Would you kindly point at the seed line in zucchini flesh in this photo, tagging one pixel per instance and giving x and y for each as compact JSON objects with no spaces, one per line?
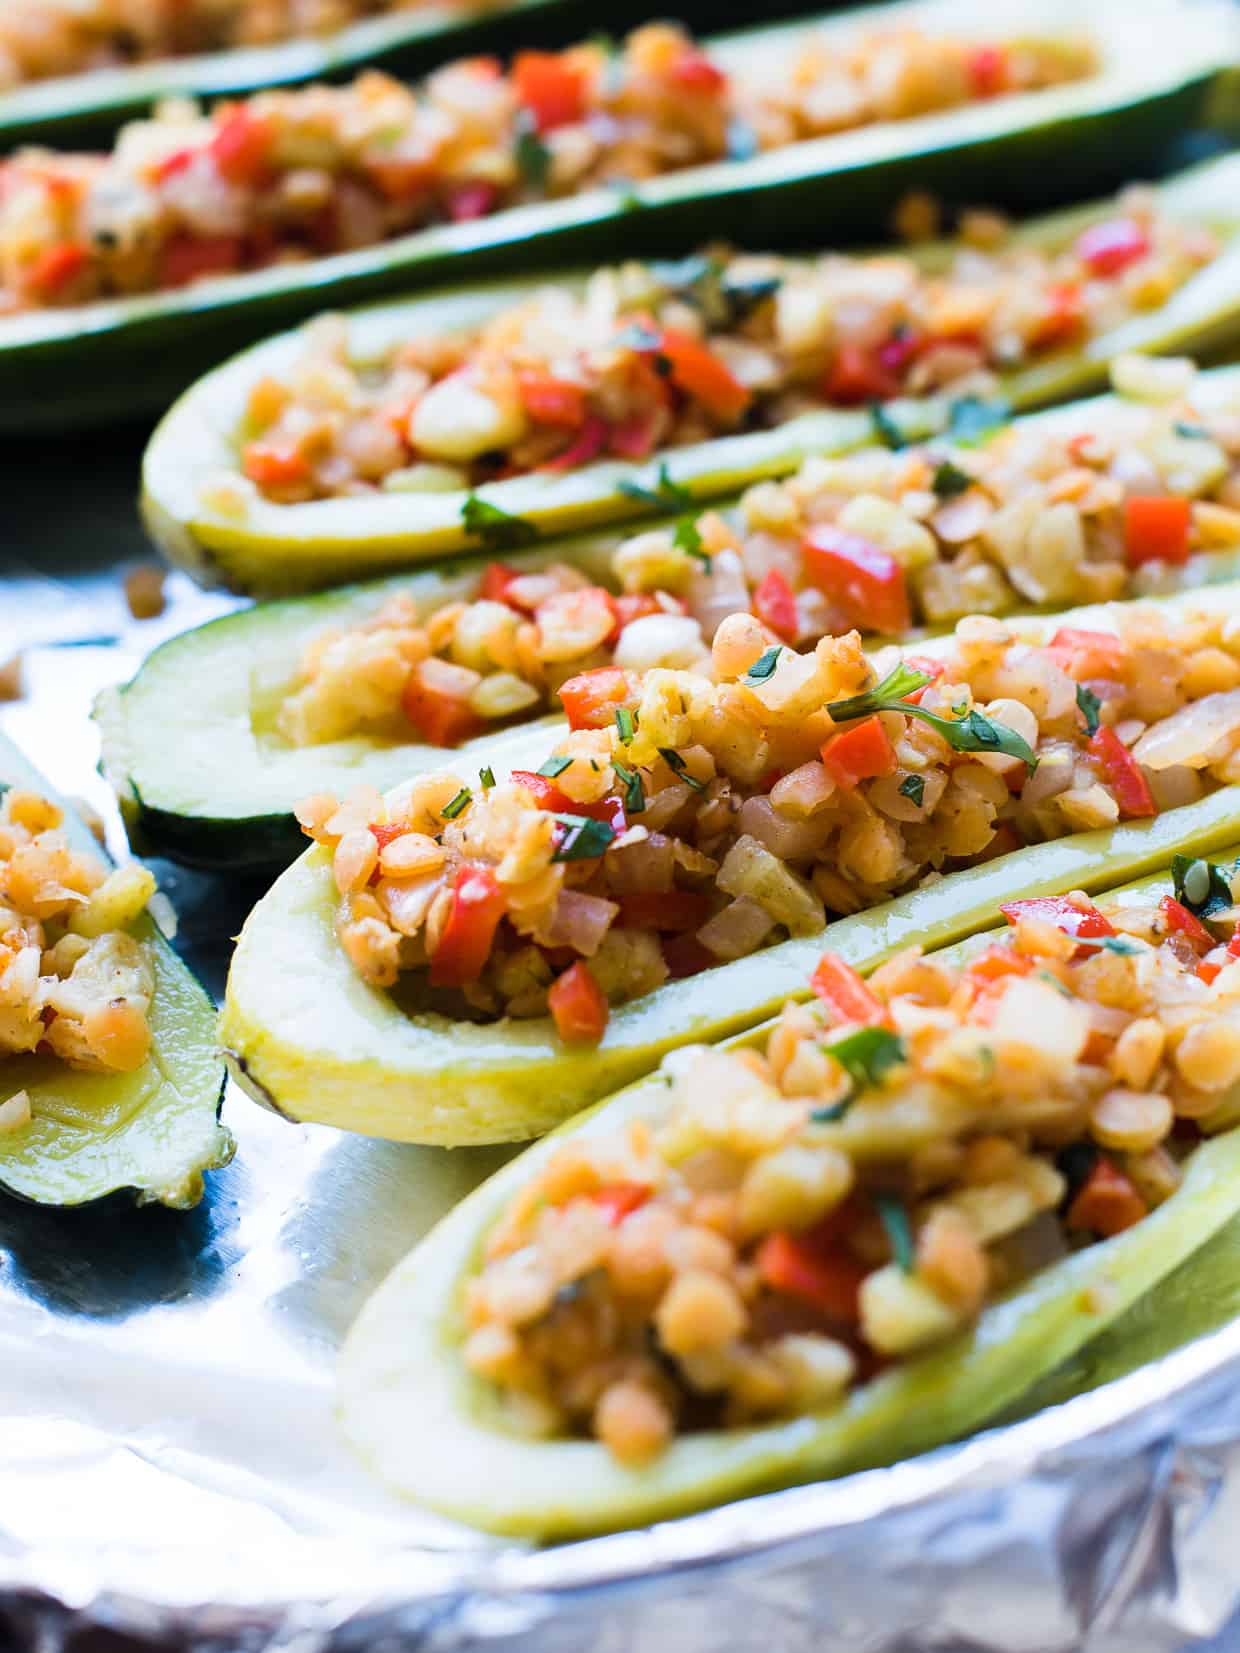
{"x":970,"y":732}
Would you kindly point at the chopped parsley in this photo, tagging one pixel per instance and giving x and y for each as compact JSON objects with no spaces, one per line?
{"x":498,"y":529}
{"x":555,"y":765}
{"x":531,"y":154}
{"x":486,"y":778}
{"x":626,"y":724}
{"x":972,"y":420}
{"x":899,"y":1230}
{"x":676,"y":764}
{"x":971,"y":733}
{"x":634,"y":793}
{"x":1090,"y":706}
{"x":1201,"y":886}
{"x":764,"y":666}
{"x":670,"y":494}
{"x":583,"y":838}
{"x":866,"y":1055}
{"x":913,"y":787}
{"x":456,"y":806}
{"x":949,"y":480}
{"x":885,"y":427}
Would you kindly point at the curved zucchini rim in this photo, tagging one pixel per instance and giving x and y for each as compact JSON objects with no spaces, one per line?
{"x":151,"y":1133}
{"x":429,"y":1428}
{"x":272,"y":548}
{"x":199,"y":780}
{"x":306,"y":1036}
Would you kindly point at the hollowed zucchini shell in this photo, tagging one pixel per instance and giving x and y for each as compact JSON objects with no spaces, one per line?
{"x":151,"y":1133}
{"x":1160,"y":68}
{"x":188,"y":744}
{"x":271,"y":548}
{"x":430,"y":1429}
{"x":306,"y":1036}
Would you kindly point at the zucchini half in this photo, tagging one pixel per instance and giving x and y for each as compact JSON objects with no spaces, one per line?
{"x":151,"y":1133}
{"x":305,"y":1035}
{"x":1161,"y":65}
{"x":269,"y":548}
{"x":189,"y":743}
{"x":429,"y":1427}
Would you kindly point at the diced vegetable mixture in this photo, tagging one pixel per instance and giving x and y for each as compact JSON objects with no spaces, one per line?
{"x":687,"y":819}
{"x":649,"y":357}
{"x":802,"y":1214}
{"x":302,"y":173}
{"x":881,"y":541}
{"x":74,"y":983}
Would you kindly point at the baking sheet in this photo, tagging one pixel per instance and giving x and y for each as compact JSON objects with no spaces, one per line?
{"x":168,"y":1462}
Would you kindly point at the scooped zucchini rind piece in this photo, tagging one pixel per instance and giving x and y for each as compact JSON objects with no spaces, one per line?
{"x":189,"y":744}
{"x":152,"y":1133}
{"x":269,"y":548}
{"x":431,"y":1429}
{"x":65,"y":367}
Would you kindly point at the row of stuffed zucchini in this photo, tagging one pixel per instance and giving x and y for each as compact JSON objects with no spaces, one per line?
{"x":886,"y":670}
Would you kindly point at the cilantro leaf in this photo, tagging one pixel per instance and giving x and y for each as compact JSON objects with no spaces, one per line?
{"x":899,"y":1230}
{"x":866,"y":1055}
{"x":970,"y":733}
{"x":498,"y":529}
{"x":949,"y":480}
{"x":669,"y":493}
{"x":913,"y":787}
{"x":532,"y":156}
{"x":1090,"y":706}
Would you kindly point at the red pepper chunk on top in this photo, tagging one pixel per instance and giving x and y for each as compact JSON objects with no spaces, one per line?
{"x":469,"y":934}
{"x":864,"y":583}
{"x":845,"y":994}
{"x":1074,"y":918}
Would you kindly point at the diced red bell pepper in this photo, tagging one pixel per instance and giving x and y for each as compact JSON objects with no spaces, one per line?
{"x":686,"y":956}
{"x":775,"y":604}
{"x":590,"y":699}
{"x":552,"y":401}
{"x":866,"y":585}
{"x":467,"y":938}
{"x":1156,"y":528}
{"x":188,"y":258}
{"x":859,"y":753}
{"x":467,"y":202}
{"x":845,"y":995}
{"x":55,"y":267}
{"x":672,"y":910}
{"x":617,"y":1199}
{"x":1181,"y":922}
{"x":552,"y":89}
{"x":1107,"y":1202}
{"x":179,"y":161}
{"x":496,"y":578}
{"x":1088,"y":654}
{"x":700,"y":374}
{"x":1111,"y":247}
{"x":578,"y":1006}
{"x":695,"y":71}
{"x":548,"y":796}
{"x":440,"y":719}
{"x":996,"y":965}
{"x":387,"y":832}
{"x":857,"y":375}
{"x":589,"y":444}
{"x":274,"y":464}
{"x":1121,"y":774}
{"x":988,"y":71}
{"x":1063,"y":316}
{"x":241,"y":147}
{"x":823,"y":1275}
{"x":636,"y":605}
{"x":1072,"y":917}
{"x":1208,"y":971}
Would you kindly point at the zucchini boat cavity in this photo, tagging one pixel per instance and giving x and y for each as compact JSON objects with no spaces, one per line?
{"x":110,"y":1079}
{"x":760,"y":166}
{"x":856,"y":1234}
{"x":226,"y":727}
{"x":520,"y":410}
{"x":473,"y":961}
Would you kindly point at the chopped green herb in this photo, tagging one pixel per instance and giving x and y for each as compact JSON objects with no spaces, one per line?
{"x":1201,"y":886}
{"x":764,"y":666}
{"x":676,"y":764}
{"x":1118,"y":944}
{"x":688,"y":539}
{"x":455,"y":806}
{"x":973,"y":420}
{"x":868,"y":1054}
{"x":628,"y":200}
{"x":950,"y":480}
{"x":669,"y":493}
{"x":584,"y":838}
{"x":486,"y":778}
{"x":885,"y":427}
{"x":971,"y":733}
{"x":914,"y":788}
{"x":626,"y":724}
{"x":742,"y":140}
{"x":498,"y":530}
{"x":634,"y":793}
{"x":555,"y":765}
{"x":1193,"y":433}
{"x":899,"y":1230}
{"x":1090,"y":706}
{"x":532,"y":156}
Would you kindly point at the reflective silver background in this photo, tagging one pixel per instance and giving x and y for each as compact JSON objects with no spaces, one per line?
{"x":168,"y":1463}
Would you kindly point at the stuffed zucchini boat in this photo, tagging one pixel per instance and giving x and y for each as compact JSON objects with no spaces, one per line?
{"x":758,"y":136}
{"x":855,"y":1234}
{"x":494,"y":417}
{"x":224,"y":728}
{"x":474,"y":960}
{"x":110,"y":1079}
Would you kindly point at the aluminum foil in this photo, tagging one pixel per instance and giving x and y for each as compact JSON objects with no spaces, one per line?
{"x":169,"y":1466}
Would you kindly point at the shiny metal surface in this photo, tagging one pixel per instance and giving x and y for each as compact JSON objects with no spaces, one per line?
{"x":168,"y":1462}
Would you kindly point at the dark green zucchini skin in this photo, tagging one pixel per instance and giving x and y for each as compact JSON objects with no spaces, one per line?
{"x":259,"y":843}
{"x":156,"y":346}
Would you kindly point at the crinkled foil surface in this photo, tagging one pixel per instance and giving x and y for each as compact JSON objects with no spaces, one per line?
{"x":169,"y":1468}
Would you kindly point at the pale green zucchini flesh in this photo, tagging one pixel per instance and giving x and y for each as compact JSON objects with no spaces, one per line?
{"x":265,"y":547}
{"x":152,"y":1133}
{"x":430,"y":1429}
{"x":190,"y":744}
